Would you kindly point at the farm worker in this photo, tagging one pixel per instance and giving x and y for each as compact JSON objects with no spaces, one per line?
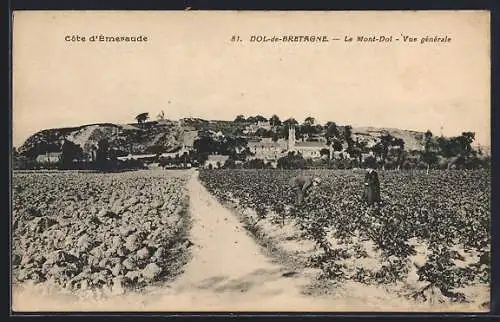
{"x":371,"y":191}
{"x":302,"y":184}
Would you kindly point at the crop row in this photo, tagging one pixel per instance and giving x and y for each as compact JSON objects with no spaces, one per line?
{"x":444,"y":210}
{"x":89,"y":230}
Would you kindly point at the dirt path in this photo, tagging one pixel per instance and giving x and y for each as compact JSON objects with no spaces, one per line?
{"x":228,"y":272}
{"x":228,"y":269}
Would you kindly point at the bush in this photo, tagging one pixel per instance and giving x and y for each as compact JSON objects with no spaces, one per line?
{"x":255,"y":164}
{"x":292,"y":161}
{"x":229,"y":164}
{"x":130,"y":165}
{"x":474,"y":163}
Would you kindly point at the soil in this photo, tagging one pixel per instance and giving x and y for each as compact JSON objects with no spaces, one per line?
{"x":228,"y":271}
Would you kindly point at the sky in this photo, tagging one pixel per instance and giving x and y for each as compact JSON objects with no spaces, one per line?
{"x":190,"y":68}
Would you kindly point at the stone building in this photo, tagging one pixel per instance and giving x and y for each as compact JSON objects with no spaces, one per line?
{"x":267,"y":149}
{"x":215,"y":161}
{"x":270,"y":150}
{"x":308,"y":149}
{"x":49,"y":157}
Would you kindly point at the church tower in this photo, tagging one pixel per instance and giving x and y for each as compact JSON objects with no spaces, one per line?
{"x":291,"y":137}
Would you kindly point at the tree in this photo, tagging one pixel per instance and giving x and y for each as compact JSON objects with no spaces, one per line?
{"x":324,"y":152}
{"x":331,"y":131}
{"x":427,"y":140}
{"x":299,"y":132}
{"x":308,"y":126}
{"x":102,"y":154}
{"x":386,"y":140}
{"x":243,"y":155}
{"x":70,"y":151}
{"x":229,"y":164}
{"x":318,"y":129}
{"x":348,"y":135}
{"x":378,"y":149}
{"x":309,"y":121}
{"x":430,"y":158}
{"x":156,"y":149}
{"x":232,"y":145}
{"x":370,"y":162}
{"x":292,"y":161}
{"x":255,"y":164}
{"x":251,"y":119}
{"x":355,"y":152}
{"x":240,"y":119}
{"x":141,"y":118}
{"x":275,"y":120}
{"x":447,"y":147}
{"x":362,"y":145}
{"x":205,"y":144}
{"x":400,"y":143}
{"x":337,"y":145}
{"x":465,"y":141}
{"x":263,"y":133}
{"x":260,"y":118}
{"x":289,"y":122}
{"x":456,"y":146}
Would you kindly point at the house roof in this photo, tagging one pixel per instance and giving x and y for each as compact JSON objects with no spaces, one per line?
{"x":170,"y":154}
{"x":136,"y":156}
{"x":311,"y":144}
{"x":50,"y":154}
{"x":267,"y":144}
{"x":216,"y":158}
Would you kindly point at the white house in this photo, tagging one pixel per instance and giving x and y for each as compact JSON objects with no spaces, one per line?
{"x":49,"y":157}
{"x":136,"y":157}
{"x":175,"y":154}
{"x":215,"y":161}
{"x":252,"y":128}
{"x":365,"y":156}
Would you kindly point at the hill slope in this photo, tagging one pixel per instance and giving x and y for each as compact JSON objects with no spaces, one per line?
{"x":371,"y":135}
{"x":154,"y":137}
{"x":126,"y":138}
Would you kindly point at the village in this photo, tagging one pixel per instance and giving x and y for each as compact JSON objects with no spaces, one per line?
{"x":253,"y":142}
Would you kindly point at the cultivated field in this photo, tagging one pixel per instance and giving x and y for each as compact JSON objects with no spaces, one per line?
{"x":428,"y":242}
{"x":91,"y":231}
{"x":180,"y":239}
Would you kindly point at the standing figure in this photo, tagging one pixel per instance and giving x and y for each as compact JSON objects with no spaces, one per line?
{"x":301,"y":186}
{"x":371,"y":191}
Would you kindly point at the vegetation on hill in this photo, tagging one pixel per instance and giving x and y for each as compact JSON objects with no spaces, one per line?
{"x":390,"y":148}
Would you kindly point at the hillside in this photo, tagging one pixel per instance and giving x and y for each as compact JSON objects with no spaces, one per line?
{"x":165,"y":136}
{"x":371,"y":135}
{"x":123,"y":138}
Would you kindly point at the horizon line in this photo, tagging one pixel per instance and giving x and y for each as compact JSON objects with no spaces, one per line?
{"x":322,"y":123}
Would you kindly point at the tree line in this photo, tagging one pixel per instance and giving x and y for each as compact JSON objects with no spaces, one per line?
{"x":388,"y":153}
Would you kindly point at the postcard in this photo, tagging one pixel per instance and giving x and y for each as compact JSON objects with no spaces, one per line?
{"x":230,"y":161}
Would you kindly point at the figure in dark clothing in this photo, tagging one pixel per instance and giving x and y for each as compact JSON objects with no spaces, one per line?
{"x":371,"y":191}
{"x":301,"y":186}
